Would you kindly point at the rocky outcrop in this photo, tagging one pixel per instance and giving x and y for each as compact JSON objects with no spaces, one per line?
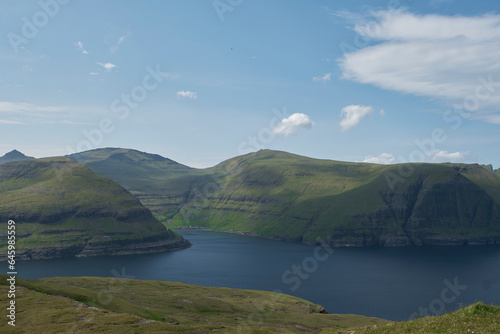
{"x":160,"y":242}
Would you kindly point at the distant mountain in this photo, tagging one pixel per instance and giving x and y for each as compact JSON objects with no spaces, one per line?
{"x":14,"y":155}
{"x":286,"y":196}
{"x":160,"y":183}
{"x":61,"y":208}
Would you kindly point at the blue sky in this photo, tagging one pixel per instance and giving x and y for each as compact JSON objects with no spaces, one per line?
{"x":203,"y":81}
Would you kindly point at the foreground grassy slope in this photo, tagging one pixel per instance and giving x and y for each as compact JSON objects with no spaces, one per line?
{"x":477,"y":318}
{"x":286,"y":196}
{"x":61,"y":208}
{"x":109,"y":305}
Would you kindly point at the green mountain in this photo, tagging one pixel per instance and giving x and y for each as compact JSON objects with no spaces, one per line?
{"x":118,"y":305}
{"x":14,"y":155}
{"x":286,"y":196}
{"x":61,"y":208}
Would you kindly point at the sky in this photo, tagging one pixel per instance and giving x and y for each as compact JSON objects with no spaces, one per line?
{"x":200,"y":82}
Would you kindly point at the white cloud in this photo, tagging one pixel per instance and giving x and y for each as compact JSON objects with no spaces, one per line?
{"x":434,"y":56}
{"x":384,"y":158}
{"x":352,"y":115}
{"x":382,"y":112}
{"x":107,"y":66}
{"x":79,"y":46}
{"x":325,"y":78}
{"x":94,"y":73}
{"x":445,"y":156}
{"x":187,"y":94}
{"x":291,"y":124}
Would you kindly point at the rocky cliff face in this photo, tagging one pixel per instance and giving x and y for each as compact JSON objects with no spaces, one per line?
{"x":451,"y":211}
{"x":104,"y":245}
{"x":437,"y":205}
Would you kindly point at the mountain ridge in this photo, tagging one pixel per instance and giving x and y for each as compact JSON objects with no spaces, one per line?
{"x":280,"y":195}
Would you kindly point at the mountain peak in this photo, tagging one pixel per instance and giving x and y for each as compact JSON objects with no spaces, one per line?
{"x":14,"y":155}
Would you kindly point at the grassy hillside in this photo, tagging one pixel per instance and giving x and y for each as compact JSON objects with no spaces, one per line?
{"x":109,"y":305}
{"x":477,"y":318}
{"x":61,"y":208}
{"x":286,"y":196}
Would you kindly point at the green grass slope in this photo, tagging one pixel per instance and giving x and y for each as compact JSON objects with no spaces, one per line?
{"x":110,"y":305}
{"x":476,"y":318}
{"x":286,"y":196}
{"x":61,"y":208}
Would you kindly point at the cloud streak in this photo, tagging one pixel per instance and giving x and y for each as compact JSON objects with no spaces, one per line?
{"x":122,"y":38}
{"x":107,"y":66}
{"x":325,"y":78}
{"x":187,"y":94}
{"x":20,"y":107}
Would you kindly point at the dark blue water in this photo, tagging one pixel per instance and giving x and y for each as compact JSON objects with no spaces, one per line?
{"x":390,"y":283}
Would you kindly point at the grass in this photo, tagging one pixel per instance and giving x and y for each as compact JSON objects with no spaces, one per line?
{"x":110,"y":305}
{"x":477,"y":318}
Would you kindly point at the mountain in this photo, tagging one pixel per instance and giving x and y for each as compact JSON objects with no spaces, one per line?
{"x":159,"y":183}
{"x":14,"y":155}
{"x":289,"y":197}
{"x":61,"y":208}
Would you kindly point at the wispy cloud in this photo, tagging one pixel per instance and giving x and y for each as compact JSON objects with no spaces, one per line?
{"x":122,"y":38}
{"x":19,"y":113}
{"x":107,"y":66}
{"x":352,"y":115}
{"x":434,"y":56}
{"x":324,"y":78}
{"x":79,"y":46}
{"x":187,"y":94}
{"x":3,"y":121}
{"x":19,"y":107}
{"x":384,"y":158}
{"x":291,"y":124}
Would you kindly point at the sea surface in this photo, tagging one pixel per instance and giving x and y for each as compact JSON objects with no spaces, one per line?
{"x":389,"y":283}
